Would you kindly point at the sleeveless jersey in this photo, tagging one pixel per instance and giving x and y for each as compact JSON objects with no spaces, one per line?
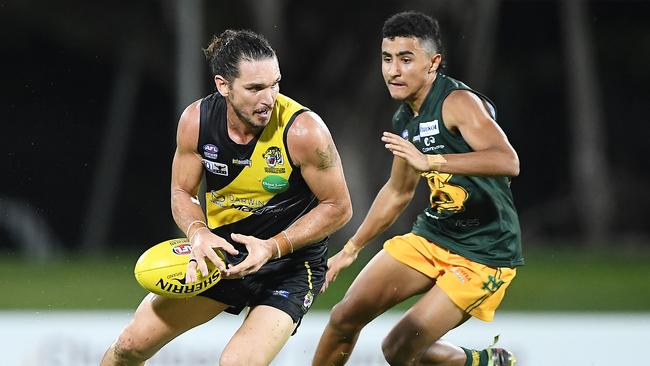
{"x":469,"y":215}
{"x":253,"y":189}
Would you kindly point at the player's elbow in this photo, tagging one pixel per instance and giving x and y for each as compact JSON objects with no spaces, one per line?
{"x":176,"y":195}
{"x":506,"y":163}
{"x":343,"y":212}
{"x":347,"y":212}
{"x":513,"y":166}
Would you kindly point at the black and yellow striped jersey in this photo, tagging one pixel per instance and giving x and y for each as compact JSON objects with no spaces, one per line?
{"x":252,"y":189}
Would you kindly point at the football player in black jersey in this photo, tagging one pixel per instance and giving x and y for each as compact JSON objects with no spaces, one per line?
{"x":275,"y":192}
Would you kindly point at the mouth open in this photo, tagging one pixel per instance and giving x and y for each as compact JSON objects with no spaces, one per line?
{"x":396,"y":84}
{"x":263,"y":112}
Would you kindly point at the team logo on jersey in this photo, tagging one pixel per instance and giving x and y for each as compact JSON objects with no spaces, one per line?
{"x":309,"y":299}
{"x":405,"y":134}
{"x":273,"y":157}
{"x":492,"y":284}
{"x":429,"y":128}
{"x":446,"y":198}
{"x":210,"y":151}
{"x":215,"y":168}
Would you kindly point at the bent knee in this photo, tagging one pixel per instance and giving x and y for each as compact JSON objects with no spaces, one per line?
{"x":347,"y":317}
{"x":390,"y":351}
{"x":395,"y":351}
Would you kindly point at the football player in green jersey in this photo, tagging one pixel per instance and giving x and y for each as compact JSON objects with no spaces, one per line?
{"x":464,"y":248}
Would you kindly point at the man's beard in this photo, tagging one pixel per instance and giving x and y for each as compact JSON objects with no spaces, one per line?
{"x":247,"y":120}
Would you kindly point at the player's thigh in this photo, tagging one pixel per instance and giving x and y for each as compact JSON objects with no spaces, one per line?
{"x":260,"y":337}
{"x":430,"y":318}
{"x":159,"y":319}
{"x":382,"y":283}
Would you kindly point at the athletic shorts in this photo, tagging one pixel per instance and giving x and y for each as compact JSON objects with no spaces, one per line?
{"x":476,"y":288}
{"x":290,"y":284}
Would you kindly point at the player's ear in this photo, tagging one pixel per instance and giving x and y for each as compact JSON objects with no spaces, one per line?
{"x":435,"y":62}
{"x":223,"y":87}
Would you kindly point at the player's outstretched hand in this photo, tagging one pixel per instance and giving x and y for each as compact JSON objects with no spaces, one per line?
{"x":340,"y":261}
{"x":204,"y":245}
{"x":259,"y":252}
{"x":406,"y":150}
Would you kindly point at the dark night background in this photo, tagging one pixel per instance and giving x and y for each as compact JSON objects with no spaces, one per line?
{"x":64,"y":64}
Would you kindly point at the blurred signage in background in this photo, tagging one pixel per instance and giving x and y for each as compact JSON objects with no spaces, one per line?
{"x":80,"y":338}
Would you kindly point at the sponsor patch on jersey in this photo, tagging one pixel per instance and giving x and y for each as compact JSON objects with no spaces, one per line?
{"x":283,"y":293}
{"x":210,"y":151}
{"x":405,"y":134}
{"x":275,"y":184}
{"x":244,"y":204}
{"x":244,"y":162}
{"x":427,"y":149}
{"x":272,"y":209}
{"x":218,"y":199}
{"x":215,"y":168}
{"x":461,"y":274}
{"x":429,"y":128}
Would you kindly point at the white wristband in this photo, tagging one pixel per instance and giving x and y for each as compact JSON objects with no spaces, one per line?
{"x":187,"y":232}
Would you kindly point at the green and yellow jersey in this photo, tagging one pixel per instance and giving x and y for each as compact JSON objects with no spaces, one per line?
{"x":469,"y":215}
{"x":253,"y":189}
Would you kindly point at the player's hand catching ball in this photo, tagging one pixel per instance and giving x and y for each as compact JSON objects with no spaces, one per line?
{"x":204,"y":242}
{"x":259,"y":252}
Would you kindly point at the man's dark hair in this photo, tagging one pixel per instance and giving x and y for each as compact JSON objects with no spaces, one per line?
{"x":413,"y":24}
{"x":226,"y":50}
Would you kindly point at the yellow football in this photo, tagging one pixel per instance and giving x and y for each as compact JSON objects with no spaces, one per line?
{"x":161,"y":270}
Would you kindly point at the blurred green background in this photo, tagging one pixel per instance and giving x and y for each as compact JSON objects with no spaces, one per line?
{"x":553,"y":280}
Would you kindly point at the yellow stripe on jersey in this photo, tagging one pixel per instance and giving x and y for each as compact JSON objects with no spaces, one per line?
{"x":308,"y":275}
{"x":267,"y":175}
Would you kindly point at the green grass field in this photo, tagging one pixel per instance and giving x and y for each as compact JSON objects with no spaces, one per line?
{"x":552,"y":280}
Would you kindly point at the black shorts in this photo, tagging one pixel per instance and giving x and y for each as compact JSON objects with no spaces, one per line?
{"x":290,"y":284}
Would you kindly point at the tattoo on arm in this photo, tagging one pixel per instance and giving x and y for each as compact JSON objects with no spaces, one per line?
{"x":326,"y":159}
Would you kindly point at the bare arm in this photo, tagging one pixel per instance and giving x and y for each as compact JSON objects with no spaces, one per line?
{"x":312,"y":148}
{"x":389,"y":203}
{"x":186,"y":210}
{"x":464,"y":112}
{"x":186,"y":171}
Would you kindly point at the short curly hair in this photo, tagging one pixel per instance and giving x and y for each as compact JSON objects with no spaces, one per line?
{"x":414,"y":24}
{"x":226,"y":50}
